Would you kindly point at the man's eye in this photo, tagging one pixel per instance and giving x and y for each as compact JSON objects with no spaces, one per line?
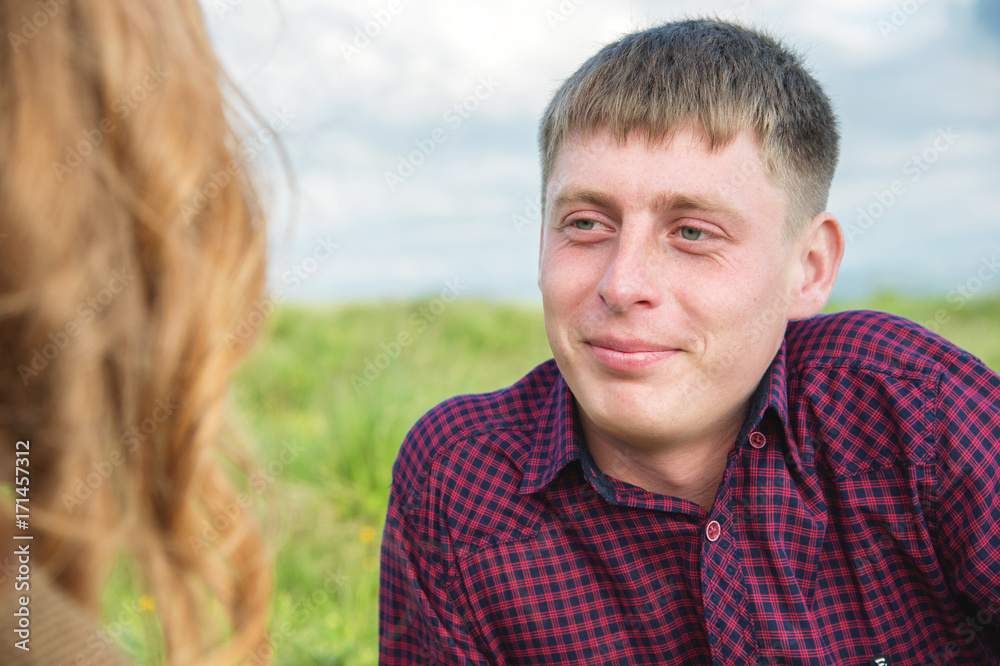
{"x":691,"y":233}
{"x":584,"y":225}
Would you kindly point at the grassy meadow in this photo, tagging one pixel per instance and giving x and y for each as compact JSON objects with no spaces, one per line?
{"x":326,"y":435}
{"x":328,"y":380}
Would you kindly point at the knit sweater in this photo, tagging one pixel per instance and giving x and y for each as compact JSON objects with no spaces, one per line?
{"x":62,"y":633}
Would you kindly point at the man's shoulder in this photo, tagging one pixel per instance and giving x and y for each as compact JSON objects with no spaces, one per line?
{"x":866,"y":338}
{"x":885,"y":391}
{"x":457,"y":427}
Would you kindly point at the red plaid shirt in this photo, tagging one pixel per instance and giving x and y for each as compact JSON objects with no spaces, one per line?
{"x":858,"y":519}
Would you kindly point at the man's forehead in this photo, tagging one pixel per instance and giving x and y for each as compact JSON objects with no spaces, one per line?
{"x":595,"y":141}
{"x":740,"y":191}
{"x":590,"y":151}
{"x":595,"y":152}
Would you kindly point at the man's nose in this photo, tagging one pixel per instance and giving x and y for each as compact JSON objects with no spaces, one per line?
{"x":629,"y":279}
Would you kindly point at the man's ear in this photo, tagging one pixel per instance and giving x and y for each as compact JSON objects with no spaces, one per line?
{"x":819,"y":250}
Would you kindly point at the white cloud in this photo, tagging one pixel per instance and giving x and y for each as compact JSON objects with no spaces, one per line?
{"x":359,"y":112}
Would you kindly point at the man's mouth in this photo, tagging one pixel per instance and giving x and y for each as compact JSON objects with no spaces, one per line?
{"x":628,"y":354}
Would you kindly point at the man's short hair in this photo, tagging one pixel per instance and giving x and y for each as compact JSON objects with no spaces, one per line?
{"x":721,"y":77}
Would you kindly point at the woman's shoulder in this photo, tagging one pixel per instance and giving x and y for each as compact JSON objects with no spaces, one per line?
{"x":43,"y":625}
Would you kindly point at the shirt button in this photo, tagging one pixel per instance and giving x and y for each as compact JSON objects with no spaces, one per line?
{"x":713,"y":530}
{"x":757,"y":440}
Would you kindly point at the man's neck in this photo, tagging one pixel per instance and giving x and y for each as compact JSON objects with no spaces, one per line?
{"x":692,"y":470}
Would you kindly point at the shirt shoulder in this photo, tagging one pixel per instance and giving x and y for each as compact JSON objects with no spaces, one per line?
{"x":456,"y":428}
{"x":877,"y":341}
{"x":874,"y":389}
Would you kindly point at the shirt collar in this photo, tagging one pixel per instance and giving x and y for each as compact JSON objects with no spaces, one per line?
{"x":559,"y":439}
{"x":771,"y":393}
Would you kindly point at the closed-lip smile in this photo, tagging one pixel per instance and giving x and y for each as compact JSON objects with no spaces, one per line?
{"x":628,"y":354}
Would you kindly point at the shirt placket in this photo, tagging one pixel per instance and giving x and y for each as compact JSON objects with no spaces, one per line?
{"x":724,"y":596}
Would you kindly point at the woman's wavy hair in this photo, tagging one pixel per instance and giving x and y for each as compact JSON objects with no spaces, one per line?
{"x":132,"y":246}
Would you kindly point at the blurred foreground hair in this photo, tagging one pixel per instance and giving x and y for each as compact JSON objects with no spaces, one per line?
{"x":131,"y":245}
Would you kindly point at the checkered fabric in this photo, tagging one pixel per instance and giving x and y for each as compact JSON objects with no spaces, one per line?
{"x":858,"y":520}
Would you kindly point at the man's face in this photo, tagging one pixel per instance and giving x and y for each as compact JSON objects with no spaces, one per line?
{"x":665,"y":282}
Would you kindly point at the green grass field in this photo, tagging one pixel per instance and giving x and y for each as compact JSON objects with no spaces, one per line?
{"x":327,"y":434}
{"x":327,"y":379}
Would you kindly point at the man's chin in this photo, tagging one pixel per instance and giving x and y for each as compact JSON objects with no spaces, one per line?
{"x":633,"y":398}
{"x":637,"y":424}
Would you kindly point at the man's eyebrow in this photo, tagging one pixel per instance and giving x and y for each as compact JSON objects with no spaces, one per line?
{"x":663,"y":202}
{"x":586,"y":196}
{"x":682,"y":201}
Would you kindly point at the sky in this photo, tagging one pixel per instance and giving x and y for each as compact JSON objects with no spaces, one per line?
{"x":410,"y":132}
